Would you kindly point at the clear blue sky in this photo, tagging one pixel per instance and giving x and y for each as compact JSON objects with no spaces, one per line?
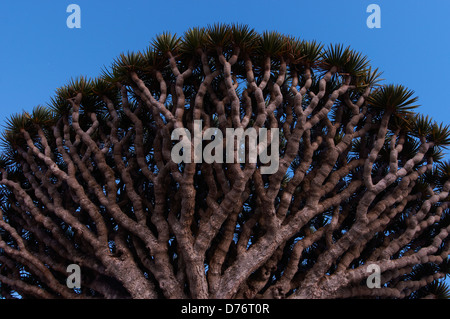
{"x":39,"y":53}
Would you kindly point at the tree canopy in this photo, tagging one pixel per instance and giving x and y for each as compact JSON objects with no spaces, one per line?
{"x":362,"y":178}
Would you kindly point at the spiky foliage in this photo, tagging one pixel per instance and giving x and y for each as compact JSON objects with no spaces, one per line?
{"x":345,"y":60}
{"x":90,"y":180}
{"x":394,"y":98}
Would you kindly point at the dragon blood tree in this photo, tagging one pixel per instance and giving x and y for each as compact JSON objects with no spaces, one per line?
{"x":361,"y":183}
